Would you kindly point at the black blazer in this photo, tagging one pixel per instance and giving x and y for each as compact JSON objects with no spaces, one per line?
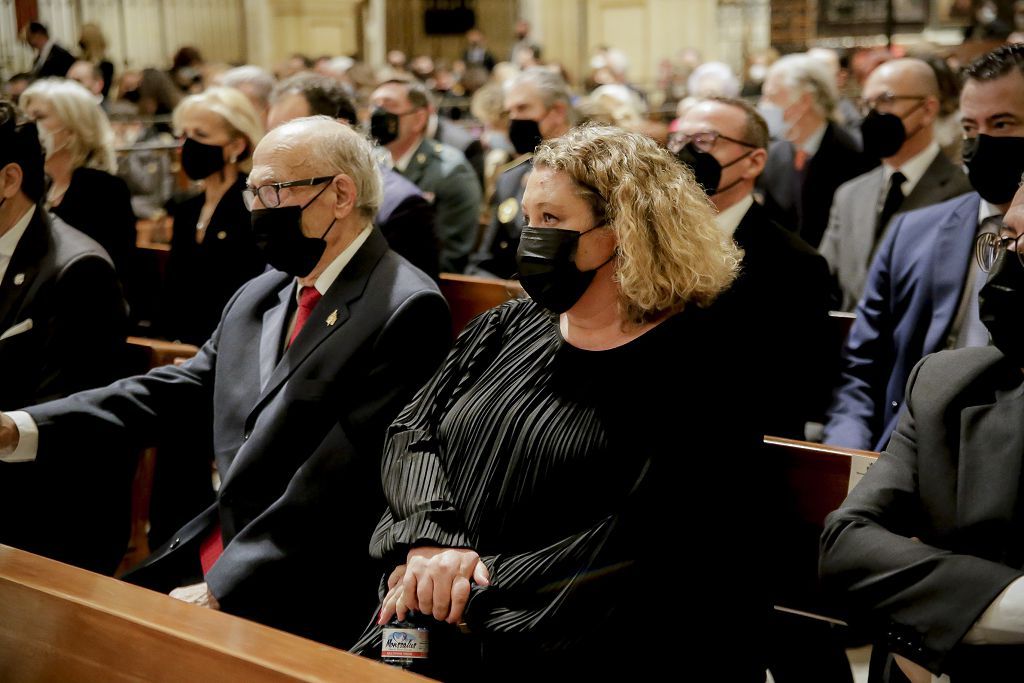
{"x":780,"y":304}
{"x":935,"y":529}
{"x":297,"y":437}
{"x":57,"y":63}
{"x":202,"y":276}
{"x":496,"y":253}
{"x":801,"y":201}
{"x":407,"y":220}
{"x":63,"y":282}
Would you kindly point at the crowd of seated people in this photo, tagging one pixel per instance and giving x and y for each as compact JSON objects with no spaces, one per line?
{"x":689,"y":238}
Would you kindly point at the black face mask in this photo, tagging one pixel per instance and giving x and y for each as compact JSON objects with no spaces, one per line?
{"x":200,"y":160}
{"x":994,"y":166}
{"x":383,"y":126}
{"x":707,"y":171}
{"x":524,"y":134}
{"x":132,"y":95}
{"x":1001,"y":306}
{"x":883,"y":134}
{"x":278,"y":234}
{"x":547,"y":267}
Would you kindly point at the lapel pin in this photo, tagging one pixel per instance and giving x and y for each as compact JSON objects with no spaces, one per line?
{"x":332,"y":318}
{"x":19,"y":278}
{"x":421,"y":158}
{"x":221,"y":235}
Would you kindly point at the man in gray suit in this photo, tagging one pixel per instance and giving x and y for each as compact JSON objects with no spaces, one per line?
{"x":399,"y":122}
{"x":903,"y":97}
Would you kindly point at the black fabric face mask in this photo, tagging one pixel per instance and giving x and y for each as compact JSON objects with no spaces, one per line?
{"x":547,"y":267}
{"x":278,"y":235}
{"x":883,"y":134}
{"x":383,"y":126}
{"x":994,"y":166}
{"x":1001,"y":306}
{"x":200,"y":160}
{"x":707,"y":170}
{"x":524,"y":134}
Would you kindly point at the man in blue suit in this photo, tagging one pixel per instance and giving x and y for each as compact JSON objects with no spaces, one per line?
{"x":297,"y":385}
{"x":921,"y":292}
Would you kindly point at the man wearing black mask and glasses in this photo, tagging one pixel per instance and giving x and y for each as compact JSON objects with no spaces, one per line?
{"x":921,"y":293}
{"x":538,"y":105}
{"x":927,"y":550}
{"x":783,"y":288}
{"x":298,"y":383}
{"x":900,"y":105}
{"x":62,"y":326}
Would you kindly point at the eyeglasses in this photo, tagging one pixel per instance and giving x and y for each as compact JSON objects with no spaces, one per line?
{"x":989,"y":246}
{"x":884,"y":102}
{"x":704,"y":141}
{"x":270,"y":195}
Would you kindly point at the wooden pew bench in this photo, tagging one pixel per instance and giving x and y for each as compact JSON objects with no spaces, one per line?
{"x":469,"y":296}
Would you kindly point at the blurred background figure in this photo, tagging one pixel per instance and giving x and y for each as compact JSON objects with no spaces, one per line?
{"x":93,"y":47}
{"x":52,"y":59}
{"x":253,"y":82}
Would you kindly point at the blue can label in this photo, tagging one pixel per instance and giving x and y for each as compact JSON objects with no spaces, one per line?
{"x":410,"y":643}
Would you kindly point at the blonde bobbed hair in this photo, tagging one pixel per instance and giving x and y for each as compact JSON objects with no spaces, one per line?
{"x":670,"y":250}
{"x":233,"y":108}
{"x":91,"y":143}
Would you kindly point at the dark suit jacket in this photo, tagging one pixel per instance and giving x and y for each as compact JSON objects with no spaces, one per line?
{"x":65,"y":284}
{"x":496,"y":254}
{"x":849,"y":242}
{"x":57,"y":63}
{"x":801,"y":201}
{"x":461,"y":139}
{"x":297,"y":438}
{"x":911,"y":297}
{"x":201,"y":277}
{"x":407,"y":220}
{"x":780,"y":304}
{"x":950,"y":477}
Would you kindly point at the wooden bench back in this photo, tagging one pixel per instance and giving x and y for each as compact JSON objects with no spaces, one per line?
{"x":469,"y":296}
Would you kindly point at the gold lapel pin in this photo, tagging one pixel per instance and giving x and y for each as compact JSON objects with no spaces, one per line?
{"x":332,"y":318}
{"x":19,"y":278}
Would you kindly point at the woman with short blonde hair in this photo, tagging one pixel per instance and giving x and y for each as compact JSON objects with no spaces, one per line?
{"x":238,"y":116}
{"x":61,"y":105}
{"x":557,"y":473}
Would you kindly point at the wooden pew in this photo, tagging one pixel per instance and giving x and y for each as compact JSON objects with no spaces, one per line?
{"x":145,"y":355}
{"x":469,"y":296}
{"x":61,"y":623}
{"x":807,"y":481}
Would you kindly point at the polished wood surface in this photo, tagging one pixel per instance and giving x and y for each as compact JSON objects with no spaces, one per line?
{"x":469,"y":296}
{"x":60,"y":623}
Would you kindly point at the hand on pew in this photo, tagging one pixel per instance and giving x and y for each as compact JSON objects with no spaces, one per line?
{"x":436,"y":581}
{"x":196,"y":594}
{"x":8,"y":435}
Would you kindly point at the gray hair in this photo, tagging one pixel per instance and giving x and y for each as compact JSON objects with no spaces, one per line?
{"x":801,"y":73}
{"x":330,"y":147}
{"x":550,"y":86}
{"x":258,"y":80}
{"x":713,"y":79}
{"x":92,"y":139}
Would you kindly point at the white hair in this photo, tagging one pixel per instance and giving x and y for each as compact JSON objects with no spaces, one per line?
{"x":338,"y":66}
{"x":801,"y":73}
{"x":713,"y":79}
{"x":91,"y":143}
{"x":258,"y":81}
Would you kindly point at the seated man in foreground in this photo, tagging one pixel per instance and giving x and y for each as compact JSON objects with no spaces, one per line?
{"x":928,"y":547}
{"x":308,"y":366}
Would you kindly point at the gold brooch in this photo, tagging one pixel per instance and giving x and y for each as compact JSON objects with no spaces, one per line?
{"x":332,"y":318}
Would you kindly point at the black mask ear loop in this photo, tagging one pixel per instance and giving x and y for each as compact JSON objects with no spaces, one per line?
{"x":738,"y":180}
{"x":912,"y":110}
{"x":615,"y":251}
{"x":315,"y":197}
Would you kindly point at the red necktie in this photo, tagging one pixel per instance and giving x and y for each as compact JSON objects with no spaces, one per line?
{"x":800,"y":160}
{"x":213,"y":545}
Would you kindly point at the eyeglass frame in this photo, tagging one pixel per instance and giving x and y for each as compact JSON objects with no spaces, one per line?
{"x":676,"y":136}
{"x":866,"y":105}
{"x":1000,"y":243}
{"x":249,"y":194}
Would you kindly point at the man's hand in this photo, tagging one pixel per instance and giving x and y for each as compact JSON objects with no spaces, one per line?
{"x":915,"y":672}
{"x":196,"y":594}
{"x":9,"y":436}
{"x":434,"y":581}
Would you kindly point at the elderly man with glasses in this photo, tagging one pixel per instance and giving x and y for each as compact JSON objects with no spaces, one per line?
{"x":900,"y":106}
{"x":928,"y":549}
{"x":296,"y":387}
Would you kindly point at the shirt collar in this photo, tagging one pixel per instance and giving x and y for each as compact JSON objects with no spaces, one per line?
{"x":730,"y":219}
{"x":332,"y":271}
{"x":402,"y":162}
{"x":44,"y":52}
{"x":913,"y":169}
{"x":10,"y":239}
{"x":432,"y":126}
{"x":813,"y":142}
{"x":986,"y":210}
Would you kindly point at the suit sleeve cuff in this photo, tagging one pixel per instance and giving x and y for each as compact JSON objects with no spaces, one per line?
{"x":28,"y":438}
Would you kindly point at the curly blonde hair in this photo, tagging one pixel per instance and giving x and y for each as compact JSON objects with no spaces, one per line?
{"x":670,"y":251}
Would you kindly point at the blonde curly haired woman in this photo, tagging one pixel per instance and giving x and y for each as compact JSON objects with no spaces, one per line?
{"x":551,"y":485}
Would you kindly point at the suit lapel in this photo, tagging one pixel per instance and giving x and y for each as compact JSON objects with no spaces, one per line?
{"x":950,"y":260}
{"x":417,"y":164}
{"x":23,"y":268}
{"x":931,"y":188}
{"x":272,"y":333}
{"x":866,"y":209}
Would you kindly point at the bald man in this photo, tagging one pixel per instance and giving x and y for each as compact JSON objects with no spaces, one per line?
{"x":309,"y":365}
{"x":901,"y":103}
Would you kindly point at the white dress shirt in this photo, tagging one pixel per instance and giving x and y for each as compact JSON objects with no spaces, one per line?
{"x":731,"y":218}
{"x":913,"y":169}
{"x":402,"y":162}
